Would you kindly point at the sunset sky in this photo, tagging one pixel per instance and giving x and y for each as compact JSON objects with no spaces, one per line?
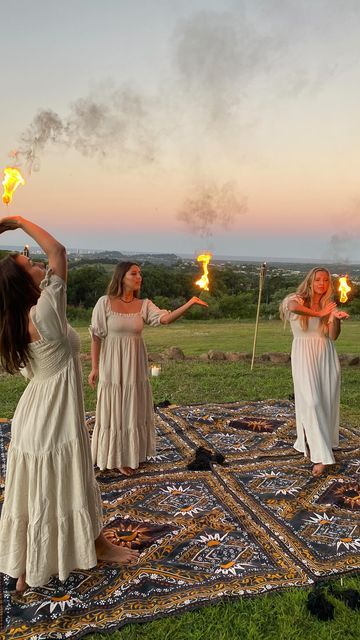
{"x":186,"y":125}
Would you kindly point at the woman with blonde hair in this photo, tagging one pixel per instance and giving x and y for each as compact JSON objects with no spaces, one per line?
{"x":315,"y":324}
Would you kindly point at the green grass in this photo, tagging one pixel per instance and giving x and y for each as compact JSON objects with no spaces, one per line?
{"x":196,"y":337}
{"x":274,"y":616}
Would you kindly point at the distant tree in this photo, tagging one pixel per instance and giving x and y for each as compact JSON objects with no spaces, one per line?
{"x":86,"y":285}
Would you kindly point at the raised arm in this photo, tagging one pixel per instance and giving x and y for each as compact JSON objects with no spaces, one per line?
{"x":54,"y":250}
{"x":167,"y":318}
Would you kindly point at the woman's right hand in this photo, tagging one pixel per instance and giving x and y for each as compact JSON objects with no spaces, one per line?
{"x":327,"y":310}
{"x":195,"y":300}
{"x":9,"y":223}
{"x":93,"y":376}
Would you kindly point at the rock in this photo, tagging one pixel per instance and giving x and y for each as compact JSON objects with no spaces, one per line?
{"x":154,"y":357}
{"x":349,"y":359}
{"x":245,"y":355}
{"x":173,"y":353}
{"x":216,"y":355}
{"x":279,"y":358}
{"x":263,"y":357}
{"x":233,"y":356}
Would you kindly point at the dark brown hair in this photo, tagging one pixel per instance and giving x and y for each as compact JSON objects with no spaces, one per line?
{"x":18,"y":293}
{"x":115,"y":287}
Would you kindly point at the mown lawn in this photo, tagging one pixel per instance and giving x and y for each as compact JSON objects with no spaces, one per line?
{"x":196,"y":337}
{"x":275,"y":616}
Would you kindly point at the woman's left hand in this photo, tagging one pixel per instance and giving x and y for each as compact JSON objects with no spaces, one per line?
{"x":340,"y":315}
{"x":195,"y":300}
{"x":10,"y":223}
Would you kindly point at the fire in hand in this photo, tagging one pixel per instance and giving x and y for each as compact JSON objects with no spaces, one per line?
{"x":12,"y":179}
{"x":203,"y":282}
{"x":344,"y":289}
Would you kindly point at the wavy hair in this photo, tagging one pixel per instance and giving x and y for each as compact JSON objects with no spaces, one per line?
{"x":18,"y":293}
{"x":305,"y":291}
{"x":115,"y":288}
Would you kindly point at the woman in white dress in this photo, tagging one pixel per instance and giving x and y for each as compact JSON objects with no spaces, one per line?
{"x":315,"y":323}
{"x":51,"y":520}
{"x":124,"y":433}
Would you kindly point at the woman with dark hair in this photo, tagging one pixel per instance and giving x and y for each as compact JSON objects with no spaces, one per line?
{"x":315,"y":323}
{"x":124,"y":433}
{"x":51,"y":520}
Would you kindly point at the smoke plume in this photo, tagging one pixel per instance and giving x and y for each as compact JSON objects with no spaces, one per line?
{"x":211,"y":206}
{"x":115,"y":126}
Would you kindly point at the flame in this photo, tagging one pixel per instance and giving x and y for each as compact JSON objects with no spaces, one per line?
{"x":12,"y":179}
{"x":344,"y":288}
{"x":203,"y":282}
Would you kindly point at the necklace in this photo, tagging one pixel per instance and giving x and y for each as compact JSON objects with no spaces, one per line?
{"x":127,"y":301}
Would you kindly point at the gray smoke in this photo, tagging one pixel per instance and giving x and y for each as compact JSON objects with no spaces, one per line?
{"x":216,"y":56}
{"x":115,"y":126}
{"x":211,"y":206}
{"x":339,"y":246}
{"x":345,"y":242}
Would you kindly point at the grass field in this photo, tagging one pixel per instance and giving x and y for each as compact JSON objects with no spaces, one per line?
{"x":281,"y":616}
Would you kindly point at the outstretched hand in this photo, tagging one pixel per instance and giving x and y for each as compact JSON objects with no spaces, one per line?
{"x":9,"y":223}
{"x":340,"y":315}
{"x":195,"y":300}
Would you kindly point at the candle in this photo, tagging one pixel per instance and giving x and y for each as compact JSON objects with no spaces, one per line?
{"x":155,"y":371}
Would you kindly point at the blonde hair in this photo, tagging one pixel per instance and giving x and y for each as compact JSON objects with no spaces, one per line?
{"x":305,"y":291}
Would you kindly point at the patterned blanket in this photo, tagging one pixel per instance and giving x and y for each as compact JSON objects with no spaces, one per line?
{"x":256,"y":523}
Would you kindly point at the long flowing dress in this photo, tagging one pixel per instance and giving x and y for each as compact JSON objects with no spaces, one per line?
{"x":316,"y":375}
{"x":124,"y":432}
{"x":52,"y":509}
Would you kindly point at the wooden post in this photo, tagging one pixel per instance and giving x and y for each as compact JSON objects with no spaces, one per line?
{"x":261,"y":283}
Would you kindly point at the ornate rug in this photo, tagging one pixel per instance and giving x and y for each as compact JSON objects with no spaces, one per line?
{"x":257,"y":523}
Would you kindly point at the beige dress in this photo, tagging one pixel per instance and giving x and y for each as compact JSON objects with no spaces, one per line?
{"x":316,"y":375}
{"x":52,"y":509}
{"x":124,"y":433}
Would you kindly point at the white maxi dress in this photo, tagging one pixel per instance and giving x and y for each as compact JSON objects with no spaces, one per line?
{"x":316,"y":375}
{"x":52,"y":509}
{"x":124,"y":432}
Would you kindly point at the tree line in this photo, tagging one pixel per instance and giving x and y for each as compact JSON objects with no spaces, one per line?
{"x":233,"y":290}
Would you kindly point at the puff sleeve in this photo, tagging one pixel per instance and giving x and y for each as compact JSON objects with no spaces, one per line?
{"x":49,"y":313}
{"x":98,"y":326}
{"x":293,"y":297}
{"x":151,"y":313}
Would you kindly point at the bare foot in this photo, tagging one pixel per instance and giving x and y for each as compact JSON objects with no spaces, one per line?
{"x":127,"y":471}
{"x":318,"y":469}
{"x":108,"y":552}
{"x":21,"y":584}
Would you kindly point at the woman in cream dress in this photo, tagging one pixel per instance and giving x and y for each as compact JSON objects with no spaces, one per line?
{"x":51,"y":520}
{"x":124,"y":433}
{"x":315,"y":323}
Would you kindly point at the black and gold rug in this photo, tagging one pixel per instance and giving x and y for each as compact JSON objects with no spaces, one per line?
{"x":257,"y":523}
